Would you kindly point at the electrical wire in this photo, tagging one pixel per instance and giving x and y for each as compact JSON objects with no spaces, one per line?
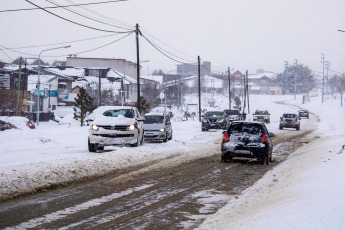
{"x":52,"y":7}
{"x":6,"y":55}
{"x":90,"y":18}
{"x":103,"y":16}
{"x":162,"y":51}
{"x":59,"y":43}
{"x":89,"y":27}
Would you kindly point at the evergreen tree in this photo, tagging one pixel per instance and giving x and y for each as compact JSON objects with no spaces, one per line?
{"x":83,"y":106}
{"x":145,"y":107}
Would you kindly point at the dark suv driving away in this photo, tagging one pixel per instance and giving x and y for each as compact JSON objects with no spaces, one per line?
{"x":247,"y":139}
{"x":213,"y":120}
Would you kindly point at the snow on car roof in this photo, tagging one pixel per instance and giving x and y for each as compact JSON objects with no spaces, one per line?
{"x":154,"y":114}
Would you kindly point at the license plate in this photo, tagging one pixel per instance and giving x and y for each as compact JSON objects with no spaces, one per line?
{"x":243,"y":151}
{"x":212,"y":124}
{"x":148,"y":133}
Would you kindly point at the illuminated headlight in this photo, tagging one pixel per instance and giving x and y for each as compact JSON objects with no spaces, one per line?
{"x":204,"y":120}
{"x":235,"y":118}
{"x":221,"y":121}
{"x":94,"y":127}
{"x":255,"y":117}
{"x":131,"y":127}
{"x":161,"y":130}
{"x":266,"y":117}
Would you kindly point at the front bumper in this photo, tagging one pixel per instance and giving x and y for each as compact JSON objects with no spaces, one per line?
{"x":217,"y":125}
{"x":154,"y":135}
{"x":107,"y":137}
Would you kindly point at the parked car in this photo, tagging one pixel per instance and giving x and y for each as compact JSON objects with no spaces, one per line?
{"x":289,"y":120}
{"x":232,"y":115}
{"x":247,"y":139}
{"x":157,"y":127}
{"x":115,"y":125}
{"x":262,"y":115}
{"x":303,"y":113}
{"x":213,"y":120}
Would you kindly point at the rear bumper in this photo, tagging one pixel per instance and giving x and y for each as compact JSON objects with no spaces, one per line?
{"x":244,"y":151}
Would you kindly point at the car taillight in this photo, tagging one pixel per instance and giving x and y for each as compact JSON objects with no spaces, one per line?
{"x":226,"y":138}
{"x":264,"y":139}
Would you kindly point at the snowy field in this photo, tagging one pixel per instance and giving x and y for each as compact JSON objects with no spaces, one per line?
{"x":304,"y":192}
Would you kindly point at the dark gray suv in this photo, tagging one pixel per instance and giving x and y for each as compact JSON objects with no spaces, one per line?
{"x":213,"y":120}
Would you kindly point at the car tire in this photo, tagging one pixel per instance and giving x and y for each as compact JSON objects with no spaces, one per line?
{"x":138,"y":141}
{"x":166,"y":138}
{"x":101,"y":148}
{"x":92,"y":147}
{"x":170,"y":137}
{"x":264,"y":160}
{"x":280,"y":127}
{"x":298,"y":128}
{"x":223,"y":158}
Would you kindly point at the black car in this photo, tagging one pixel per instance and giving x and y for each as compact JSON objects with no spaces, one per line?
{"x":247,"y":139}
{"x":262,"y":115}
{"x":232,"y":115}
{"x":213,"y":120}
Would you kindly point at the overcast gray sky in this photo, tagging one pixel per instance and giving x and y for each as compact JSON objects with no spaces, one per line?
{"x":242,"y":34}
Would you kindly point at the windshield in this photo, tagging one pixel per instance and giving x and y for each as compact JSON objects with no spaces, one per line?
{"x":129,"y":113}
{"x":231,"y":112}
{"x":214,"y":113}
{"x":289,"y":115}
{"x":261,"y":112}
{"x":153,"y":119}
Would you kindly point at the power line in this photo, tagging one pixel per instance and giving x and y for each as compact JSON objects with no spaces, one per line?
{"x":59,"y":43}
{"x":89,"y":27}
{"x":90,"y":18}
{"x":103,"y":16}
{"x":52,"y":7}
{"x":162,"y":51}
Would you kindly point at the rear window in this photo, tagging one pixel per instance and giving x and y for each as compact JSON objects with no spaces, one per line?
{"x":246,"y":127}
{"x":289,"y":115}
{"x":129,"y":113}
{"x":154,"y":119}
{"x":231,"y":112}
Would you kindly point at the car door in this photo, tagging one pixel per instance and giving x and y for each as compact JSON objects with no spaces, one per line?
{"x":168,"y":126}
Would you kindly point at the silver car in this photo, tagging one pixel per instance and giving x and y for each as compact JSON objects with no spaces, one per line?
{"x":157,"y":127}
{"x":290,"y":120}
{"x":115,"y":125}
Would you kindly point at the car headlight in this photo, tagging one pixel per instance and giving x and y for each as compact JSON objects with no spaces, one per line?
{"x":255,"y":117}
{"x":131,"y":127}
{"x":235,"y":118}
{"x":266,"y":117}
{"x":162,"y":130}
{"x":94,"y":127}
{"x":204,"y":120}
{"x":221,"y":121}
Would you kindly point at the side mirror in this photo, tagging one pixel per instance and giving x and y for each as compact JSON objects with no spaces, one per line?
{"x":272,"y":135}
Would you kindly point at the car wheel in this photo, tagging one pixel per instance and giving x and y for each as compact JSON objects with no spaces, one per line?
{"x":137,"y":143}
{"x":100,"y":148}
{"x":264,"y":159}
{"x":170,"y":136}
{"x":280,"y":127}
{"x":224,"y":158}
{"x":298,"y":128}
{"x":166,"y":138}
{"x":92,"y":147}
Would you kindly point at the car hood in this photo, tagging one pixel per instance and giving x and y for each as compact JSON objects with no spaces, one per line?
{"x":102,"y":120}
{"x":153,"y":126}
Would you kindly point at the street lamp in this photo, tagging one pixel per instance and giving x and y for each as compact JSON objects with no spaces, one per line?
{"x":38,"y":82}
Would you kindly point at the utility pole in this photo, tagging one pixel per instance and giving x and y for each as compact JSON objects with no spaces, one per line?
{"x":137,"y":32}
{"x":229,"y":87}
{"x":295,"y":76}
{"x":20,"y":75}
{"x":327,"y":67}
{"x":199,"y":82}
{"x":323,"y":74}
{"x":99,"y":87}
{"x":244,"y":94}
{"x":286,"y":77}
{"x":247,"y":89}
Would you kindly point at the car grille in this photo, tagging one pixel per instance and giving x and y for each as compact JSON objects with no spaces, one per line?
{"x":115,"y":135}
{"x":213,"y":120}
{"x":116,"y":127}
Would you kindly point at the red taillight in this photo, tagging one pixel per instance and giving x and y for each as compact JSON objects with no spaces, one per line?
{"x":226,"y":138}
{"x":264,"y":139}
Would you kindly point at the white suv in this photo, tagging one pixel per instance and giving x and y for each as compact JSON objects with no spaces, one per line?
{"x":115,"y":125}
